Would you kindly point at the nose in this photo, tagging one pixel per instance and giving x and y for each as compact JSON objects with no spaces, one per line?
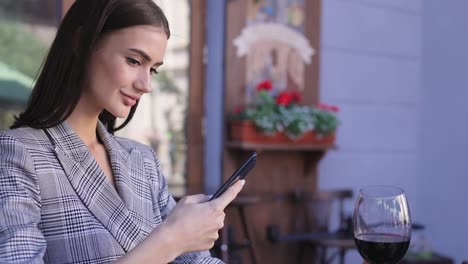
{"x":143,"y":82}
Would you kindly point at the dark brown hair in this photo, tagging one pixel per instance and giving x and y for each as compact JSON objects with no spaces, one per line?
{"x":60,"y":81}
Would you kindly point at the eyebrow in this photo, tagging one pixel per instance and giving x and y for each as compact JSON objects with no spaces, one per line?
{"x":145,"y":56}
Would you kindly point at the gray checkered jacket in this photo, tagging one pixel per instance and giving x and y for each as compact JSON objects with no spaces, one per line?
{"x":56,"y":205}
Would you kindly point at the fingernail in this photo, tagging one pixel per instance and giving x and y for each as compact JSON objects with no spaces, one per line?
{"x":243,"y":182}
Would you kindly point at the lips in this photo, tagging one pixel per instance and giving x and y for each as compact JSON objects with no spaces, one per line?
{"x":129,"y":100}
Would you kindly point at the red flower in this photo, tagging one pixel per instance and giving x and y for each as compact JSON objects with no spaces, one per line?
{"x":265,"y":85}
{"x":296,"y":96}
{"x":284,"y":99}
{"x":334,"y":108}
{"x":238,"y":109}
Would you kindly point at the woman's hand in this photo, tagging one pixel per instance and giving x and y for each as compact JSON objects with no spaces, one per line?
{"x":194,"y":222}
{"x":192,"y":225}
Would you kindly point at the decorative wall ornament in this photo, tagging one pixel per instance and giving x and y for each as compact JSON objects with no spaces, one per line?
{"x":276,"y":52}
{"x":274,"y":45}
{"x":273,"y":32}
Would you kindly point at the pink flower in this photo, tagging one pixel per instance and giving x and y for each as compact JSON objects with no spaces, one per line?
{"x":327,"y":107}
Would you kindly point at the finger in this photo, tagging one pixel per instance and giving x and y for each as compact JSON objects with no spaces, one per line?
{"x":197,"y":198}
{"x":221,"y":222}
{"x":229,"y":195}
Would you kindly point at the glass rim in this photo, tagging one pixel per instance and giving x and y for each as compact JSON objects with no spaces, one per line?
{"x":387,"y":191}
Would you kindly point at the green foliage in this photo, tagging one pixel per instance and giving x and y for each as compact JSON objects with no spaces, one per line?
{"x":325,"y":121}
{"x":6,"y":118}
{"x":6,"y":4}
{"x":166,"y":84}
{"x":20,"y":49}
{"x":291,"y":118}
{"x":297,"y":119}
{"x":265,"y":113}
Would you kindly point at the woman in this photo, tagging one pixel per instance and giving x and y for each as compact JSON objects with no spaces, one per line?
{"x":70,"y":191}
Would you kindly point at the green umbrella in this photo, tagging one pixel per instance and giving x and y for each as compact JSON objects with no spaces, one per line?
{"x":15,"y":86}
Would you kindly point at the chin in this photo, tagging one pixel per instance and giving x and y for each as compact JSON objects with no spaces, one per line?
{"x":123,"y":115}
{"x":120,"y":113}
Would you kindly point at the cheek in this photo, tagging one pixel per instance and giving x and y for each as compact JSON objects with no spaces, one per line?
{"x":115,"y":77}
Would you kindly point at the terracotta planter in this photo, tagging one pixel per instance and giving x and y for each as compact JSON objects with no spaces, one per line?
{"x":246,"y":131}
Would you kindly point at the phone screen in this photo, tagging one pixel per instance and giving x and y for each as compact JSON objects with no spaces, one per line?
{"x":239,"y":174}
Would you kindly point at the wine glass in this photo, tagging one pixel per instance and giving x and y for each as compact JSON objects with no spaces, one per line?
{"x":382,"y":224}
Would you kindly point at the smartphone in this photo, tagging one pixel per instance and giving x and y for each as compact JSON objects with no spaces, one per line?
{"x":239,"y":174}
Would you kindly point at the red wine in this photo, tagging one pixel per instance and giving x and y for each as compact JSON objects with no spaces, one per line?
{"x":378,"y":248}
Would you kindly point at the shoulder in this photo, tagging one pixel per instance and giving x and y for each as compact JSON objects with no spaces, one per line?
{"x":17,"y":165}
{"x":26,"y":136}
{"x":22,"y":146}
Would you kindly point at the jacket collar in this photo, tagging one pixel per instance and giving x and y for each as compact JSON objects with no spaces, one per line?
{"x":73,"y":146}
{"x":123,"y":213}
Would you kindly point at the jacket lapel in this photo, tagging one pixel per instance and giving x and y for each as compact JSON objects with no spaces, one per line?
{"x":89,"y":182}
{"x":132,"y":184}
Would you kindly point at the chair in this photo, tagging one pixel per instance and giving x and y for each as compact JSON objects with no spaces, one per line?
{"x":317,"y":210}
{"x":228,"y":248}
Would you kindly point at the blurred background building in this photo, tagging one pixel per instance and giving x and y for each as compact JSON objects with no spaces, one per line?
{"x":160,"y":120}
{"x":26,"y":30}
{"x":396,"y":68}
{"x":28,"y":27}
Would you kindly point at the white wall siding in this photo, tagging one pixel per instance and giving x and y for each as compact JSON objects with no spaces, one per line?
{"x":371,"y":69}
{"x":444,"y":159}
{"x":351,"y":25}
{"x":366,"y":78}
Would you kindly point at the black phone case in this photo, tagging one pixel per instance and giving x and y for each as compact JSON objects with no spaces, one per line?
{"x":239,"y":174}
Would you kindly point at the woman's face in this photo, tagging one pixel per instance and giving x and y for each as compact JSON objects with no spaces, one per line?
{"x":120,"y":68}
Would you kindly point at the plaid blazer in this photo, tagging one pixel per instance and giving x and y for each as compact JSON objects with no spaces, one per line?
{"x":57,"y":206}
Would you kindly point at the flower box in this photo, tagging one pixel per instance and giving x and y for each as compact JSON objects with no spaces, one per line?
{"x":246,"y":131}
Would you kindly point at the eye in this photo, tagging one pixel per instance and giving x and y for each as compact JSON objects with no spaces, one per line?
{"x":133,"y":62}
{"x":153,"y":71}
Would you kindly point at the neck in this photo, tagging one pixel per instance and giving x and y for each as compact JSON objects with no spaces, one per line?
{"x":84,"y":122}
